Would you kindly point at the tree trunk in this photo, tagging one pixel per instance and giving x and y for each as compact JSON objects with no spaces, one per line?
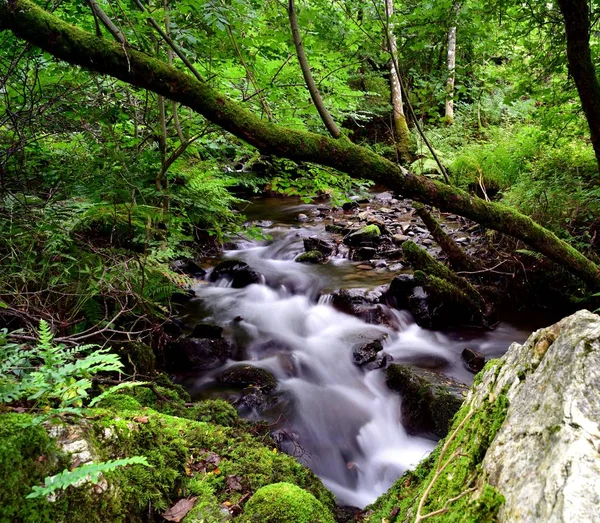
{"x":33,"y":24}
{"x":401,"y":132}
{"x":577,"y":26}
{"x":310,"y":82}
{"x":451,"y":76}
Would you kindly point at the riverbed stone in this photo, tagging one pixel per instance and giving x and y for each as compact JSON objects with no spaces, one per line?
{"x":239,"y":273}
{"x":364,"y":253}
{"x":429,"y":399}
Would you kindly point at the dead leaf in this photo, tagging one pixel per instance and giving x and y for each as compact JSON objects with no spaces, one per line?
{"x":141,"y":419}
{"x":178,"y":511}
{"x":233,"y":482}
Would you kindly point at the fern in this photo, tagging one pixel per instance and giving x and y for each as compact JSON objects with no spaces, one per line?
{"x":89,"y":472}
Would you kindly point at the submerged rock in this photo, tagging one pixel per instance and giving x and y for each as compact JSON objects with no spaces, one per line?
{"x":429,"y":399}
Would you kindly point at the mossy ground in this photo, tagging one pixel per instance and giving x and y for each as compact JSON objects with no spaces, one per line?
{"x":217,"y":463}
{"x":454,"y":480}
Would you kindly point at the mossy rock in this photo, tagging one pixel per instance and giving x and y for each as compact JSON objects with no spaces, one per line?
{"x":310,"y":257}
{"x":285,"y":503}
{"x":366,"y":235}
{"x":182,"y":454}
{"x":242,"y":376}
{"x":429,"y":399}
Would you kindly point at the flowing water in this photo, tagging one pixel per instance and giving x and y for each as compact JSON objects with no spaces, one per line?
{"x":339,"y":419}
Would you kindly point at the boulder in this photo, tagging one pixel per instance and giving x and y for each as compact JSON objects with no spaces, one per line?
{"x":242,"y":376}
{"x":368,"y":235}
{"x":524,"y":445}
{"x":350,"y":206}
{"x":239,"y":273}
{"x":429,"y":399}
{"x":318,"y":244}
{"x":364,"y":254}
{"x":197,"y":353}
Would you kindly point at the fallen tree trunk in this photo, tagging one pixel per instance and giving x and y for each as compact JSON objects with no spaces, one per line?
{"x":47,"y":31}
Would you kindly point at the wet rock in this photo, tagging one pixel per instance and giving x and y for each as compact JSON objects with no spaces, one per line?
{"x":366,"y":235}
{"x":394,"y":254}
{"x":302,"y":217}
{"x":400,"y":290}
{"x":347,"y":514}
{"x":197,"y":353}
{"x":254,"y":399}
{"x":207,"y":330}
{"x":335,"y":228}
{"x":318,"y":244}
{"x":474,"y":360}
{"x":382,"y":360}
{"x":357,"y":303}
{"x":137,"y":357}
{"x":418,"y":305}
{"x":399,"y":239}
{"x":350,"y":206}
{"x":366,"y":353}
{"x":310,"y":257}
{"x":239,"y":273}
{"x":364,"y":253}
{"x":188,"y":267}
{"x":429,"y":399}
{"x":242,"y":376}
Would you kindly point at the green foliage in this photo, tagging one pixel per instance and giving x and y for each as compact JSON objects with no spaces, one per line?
{"x":50,"y":374}
{"x":90,"y":472}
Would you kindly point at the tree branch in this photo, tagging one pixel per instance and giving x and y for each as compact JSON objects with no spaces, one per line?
{"x":33,"y":24}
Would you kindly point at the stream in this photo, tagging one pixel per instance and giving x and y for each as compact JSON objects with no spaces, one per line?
{"x":336,"y":417}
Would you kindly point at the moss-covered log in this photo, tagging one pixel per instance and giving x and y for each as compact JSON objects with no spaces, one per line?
{"x":457,"y":258}
{"x":421,"y":260}
{"x":47,"y":31}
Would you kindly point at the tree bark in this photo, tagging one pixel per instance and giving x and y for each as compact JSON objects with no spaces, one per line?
{"x":402,"y":134}
{"x":451,"y":76}
{"x":577,"y":27}
{"x":40,"y":28}
{"x":310,"y":82}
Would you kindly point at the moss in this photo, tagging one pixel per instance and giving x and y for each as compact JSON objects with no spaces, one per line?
{"x":216,"y":411}
{"x":137,"y":357}
{"x":285,"y":503}
{"x":187,"y":457}
{"x":465,"y":452}
{"x":241,"y":376}
{"x":310,"y":257}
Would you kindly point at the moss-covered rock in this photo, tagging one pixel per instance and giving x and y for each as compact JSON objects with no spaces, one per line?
{"x":310,"y":257}
{"x":137,"y":357}
{"x":186,"y":456}
{"x":366,"y":235}
{"x":242,"y":376}
{"x":430,"y":400}
{"x":285,"y":503}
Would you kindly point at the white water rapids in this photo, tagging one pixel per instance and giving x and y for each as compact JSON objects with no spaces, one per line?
{"x":340,"y":420}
